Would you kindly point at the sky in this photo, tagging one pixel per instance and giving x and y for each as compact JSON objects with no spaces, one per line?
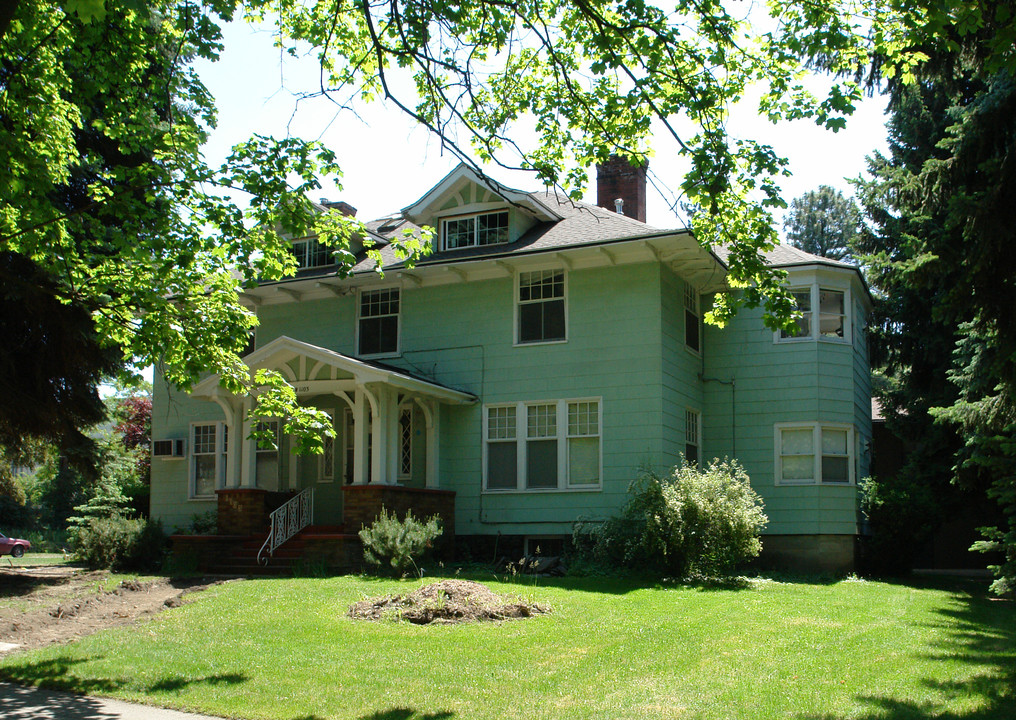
{"x":389,"y":162}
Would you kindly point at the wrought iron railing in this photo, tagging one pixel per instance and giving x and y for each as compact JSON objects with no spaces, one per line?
{"x":286,"y":522}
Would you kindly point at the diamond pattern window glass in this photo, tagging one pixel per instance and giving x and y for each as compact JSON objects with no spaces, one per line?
{"x":405,"y":442}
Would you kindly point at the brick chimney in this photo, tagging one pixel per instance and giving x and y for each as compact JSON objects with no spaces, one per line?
{"x":343,"y":207}
{"x":618,"y":179}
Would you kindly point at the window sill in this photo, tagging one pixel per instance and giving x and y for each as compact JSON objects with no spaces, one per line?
{"x":824,"y":338}
{"x":812,"y":483}
{"x":540,"y":342}
{"x":543,"y":491}
{"x":379,"y":356}
{"x":201,"y":498}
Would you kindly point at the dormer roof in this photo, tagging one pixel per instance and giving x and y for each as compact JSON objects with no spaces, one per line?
{"x":458,"y":183}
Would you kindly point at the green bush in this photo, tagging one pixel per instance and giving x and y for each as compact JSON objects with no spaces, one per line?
{"x":398,"y":544}
{"x":119,"y":543}
{"x":697,"y":520}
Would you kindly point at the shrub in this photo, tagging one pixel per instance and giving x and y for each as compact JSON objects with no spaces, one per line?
{"x":206,"y":523}
{"x":694,"y":521}
{"x":119,"y":543}
{"x":398,"y":544}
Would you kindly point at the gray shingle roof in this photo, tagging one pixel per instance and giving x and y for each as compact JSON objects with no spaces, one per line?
{"x":582,"y":224}
{"x":786,"y":255}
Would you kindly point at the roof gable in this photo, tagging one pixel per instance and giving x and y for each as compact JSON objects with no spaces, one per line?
{"x":463,"y":189}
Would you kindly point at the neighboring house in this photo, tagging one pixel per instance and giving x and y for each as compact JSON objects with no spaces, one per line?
{"x":517,"y":378}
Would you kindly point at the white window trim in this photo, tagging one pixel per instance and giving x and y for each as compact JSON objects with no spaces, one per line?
{"x":816,"y":440}
{"x":522,"y":437}
{"x":815,"y":287}
{"x":356,"y":330}
{"x":221,"y":467}
{"x":516,"y":302}
{"x":698,"y":318}
{"x":466,"y":216}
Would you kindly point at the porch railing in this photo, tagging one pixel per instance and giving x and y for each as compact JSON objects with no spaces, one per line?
{"x":286,"y":522}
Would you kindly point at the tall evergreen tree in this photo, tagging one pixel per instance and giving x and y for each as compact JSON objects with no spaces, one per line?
{"x":823,"y":222}
{"x":943,"y":208}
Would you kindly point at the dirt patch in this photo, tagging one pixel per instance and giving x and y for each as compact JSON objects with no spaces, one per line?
{"x":57,"y":604}
{"x":448,"y":601}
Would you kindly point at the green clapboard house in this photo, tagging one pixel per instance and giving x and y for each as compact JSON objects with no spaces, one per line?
{"x":517,"y":378}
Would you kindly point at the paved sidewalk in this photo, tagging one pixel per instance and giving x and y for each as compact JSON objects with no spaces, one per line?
{"x":29,"y":703}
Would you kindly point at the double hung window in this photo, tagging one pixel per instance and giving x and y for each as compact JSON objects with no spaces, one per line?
{"x":209,"y":444}
{"x":541,"y":306}
{"x":378,"y":324}
{"x":692,"y":425}
{"x":814,"y":453}
{"x":542,"y":445}
{"x":829,"y":323}
{"x":692,"y":334}
{"x":475,"y":230}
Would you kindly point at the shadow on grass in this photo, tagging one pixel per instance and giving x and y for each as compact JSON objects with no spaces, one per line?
{"x":977,"y":630}
{"x":407,"y":714}
{"x":57,"y":674}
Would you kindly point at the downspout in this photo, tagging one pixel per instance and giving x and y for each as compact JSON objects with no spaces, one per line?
{"x":733,"y":404}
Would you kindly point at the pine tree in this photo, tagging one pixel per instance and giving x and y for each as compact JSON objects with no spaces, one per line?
{"x":823,"y":222}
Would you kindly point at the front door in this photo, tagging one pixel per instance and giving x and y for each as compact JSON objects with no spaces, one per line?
{"x":319,"y":472}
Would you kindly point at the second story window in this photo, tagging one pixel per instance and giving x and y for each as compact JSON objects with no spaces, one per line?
{"x":541,"y":307}
{"x":475,"y":230}
{"x":310,"y":253}
{"x":829,"y":323}
{"x":692,"y":336}
{"x":378,"y":324}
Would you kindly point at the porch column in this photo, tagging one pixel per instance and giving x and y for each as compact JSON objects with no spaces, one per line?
{"x":233,"y":413}
{"x":432,"y":415}
{"x":359,"y":437}
{"x":247,"y":446}
{"x":391,"y":423}
{"x":379,"y":441}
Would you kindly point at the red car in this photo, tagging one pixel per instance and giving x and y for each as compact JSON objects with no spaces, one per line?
{"x":13,"y":546}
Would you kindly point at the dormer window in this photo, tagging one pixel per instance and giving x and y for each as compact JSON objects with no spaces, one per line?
{"x":475,"y":230}
{"x":309,"y":253}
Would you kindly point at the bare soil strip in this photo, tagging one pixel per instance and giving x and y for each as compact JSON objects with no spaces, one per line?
{"x":43,"y":605}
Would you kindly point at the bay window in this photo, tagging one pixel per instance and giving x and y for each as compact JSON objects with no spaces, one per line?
{"x":831,"y":322}
{"x":814,"y":454}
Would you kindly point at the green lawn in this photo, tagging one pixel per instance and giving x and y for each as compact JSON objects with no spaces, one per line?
{"x":611,"y":649}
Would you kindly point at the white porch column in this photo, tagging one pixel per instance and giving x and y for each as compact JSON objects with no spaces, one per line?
{"x":392,"y":436}
{"x":359,"y":437}
{"x":247,"y":446}
{"x":234,"y":413}
{"x":379,"y":441}
{"x":432,"y":414}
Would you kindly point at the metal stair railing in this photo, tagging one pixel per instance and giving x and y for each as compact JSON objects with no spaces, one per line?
{"x":287,"y":521}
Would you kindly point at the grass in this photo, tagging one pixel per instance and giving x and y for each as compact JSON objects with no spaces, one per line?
{"x":611,"y":649}
{"x":34,"y":559}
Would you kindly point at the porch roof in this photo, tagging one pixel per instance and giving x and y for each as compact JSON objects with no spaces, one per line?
{"x":314,"y":360}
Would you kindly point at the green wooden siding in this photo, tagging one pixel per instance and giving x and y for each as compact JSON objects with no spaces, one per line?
{"x":626,"y":346}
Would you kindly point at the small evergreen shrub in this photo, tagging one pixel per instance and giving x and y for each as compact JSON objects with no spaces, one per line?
{"x":398,"y":544}
{"x":696,"y":520}
{"x":119,"y":543}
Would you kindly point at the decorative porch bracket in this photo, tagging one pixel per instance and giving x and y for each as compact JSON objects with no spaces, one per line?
{"x":286,"y":522}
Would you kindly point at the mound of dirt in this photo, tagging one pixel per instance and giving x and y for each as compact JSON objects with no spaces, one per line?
{"x":448,"y":601}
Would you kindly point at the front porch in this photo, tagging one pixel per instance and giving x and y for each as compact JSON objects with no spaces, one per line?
{"x":245,"y":530}
{"x":386,"y":453}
